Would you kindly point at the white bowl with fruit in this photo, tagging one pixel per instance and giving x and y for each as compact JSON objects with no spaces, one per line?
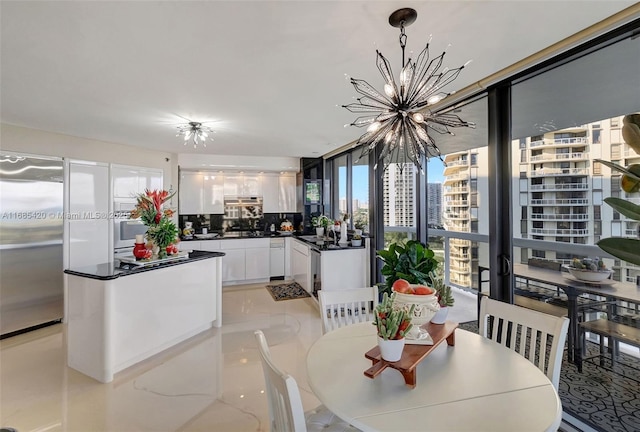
{"x":423,"y":297}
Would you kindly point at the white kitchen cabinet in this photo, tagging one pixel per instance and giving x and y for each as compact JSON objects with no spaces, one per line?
{"x":287,"y":257}
{"x":129,"y":180}
{"x":213,"y":193}
{"x":210,"y":245}
{"x":88,"y":228}
{"x":189,"y":245}
{"x":301,"y":264}
{"x":233,"y":263}
{"x":125,"y":181}
{"x":252,"y":185}
{"x":191,"y":193}
{"x":233,"y":184}
{"x":287,"y":193}
{"x":257,"y":260}
{"x":270,"y":193}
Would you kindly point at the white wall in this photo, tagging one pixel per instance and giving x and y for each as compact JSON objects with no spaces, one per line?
{"x":37,"y":142}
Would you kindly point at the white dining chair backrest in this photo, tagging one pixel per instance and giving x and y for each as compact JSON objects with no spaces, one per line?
{"x":286,"y":413}
{"x":526,"y":332}
{"x":340,"y":308}
{"x":285,"y":406}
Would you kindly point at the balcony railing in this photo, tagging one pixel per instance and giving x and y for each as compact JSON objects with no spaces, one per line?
{"x":559,"y":186}
{"x":568,"y":217}
{"x":545,"y":172}
{"x":559,"y":142}
{"x":452,"y":178}
{"x":560,"y":232}
{"x":461,"y":215}
{"x":559,"y":156}
{"x":451,"y":190}
{"x":569,"y":201}
{"x":457,"y":203}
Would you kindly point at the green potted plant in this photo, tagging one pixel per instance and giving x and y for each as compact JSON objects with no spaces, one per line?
{"x":392,"y":325}
{"x":321,"y":223}
{"x":356,"y":240}
{"x":627,"y":249}
{"x":445,"y":298}
{"x":412,"y":262}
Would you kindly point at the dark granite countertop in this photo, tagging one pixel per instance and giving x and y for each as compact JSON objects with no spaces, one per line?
{"x":113,"y":270}
{"x":239,"y":235}
{"x":325,"y":245}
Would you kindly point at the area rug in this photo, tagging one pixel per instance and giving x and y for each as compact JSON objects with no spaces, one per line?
{"x":287,"y":291}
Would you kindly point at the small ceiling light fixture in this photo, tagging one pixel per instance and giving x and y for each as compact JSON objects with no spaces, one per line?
{"x":398,"y":118}
{"x":195,"y":133}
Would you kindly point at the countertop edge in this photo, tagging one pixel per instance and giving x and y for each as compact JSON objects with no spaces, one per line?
{"x":118,"y":272}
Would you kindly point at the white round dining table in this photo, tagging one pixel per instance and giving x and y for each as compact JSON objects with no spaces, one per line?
{"x":476,"y":385}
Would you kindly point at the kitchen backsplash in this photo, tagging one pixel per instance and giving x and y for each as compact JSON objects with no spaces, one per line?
{"x":218,"y":223}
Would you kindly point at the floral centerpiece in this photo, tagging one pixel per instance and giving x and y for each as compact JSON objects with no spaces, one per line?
{"x":162,"y":232}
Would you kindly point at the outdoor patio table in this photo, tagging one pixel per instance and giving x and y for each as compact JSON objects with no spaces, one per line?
{"x":611,"y":290}
{"x":476,"y":385}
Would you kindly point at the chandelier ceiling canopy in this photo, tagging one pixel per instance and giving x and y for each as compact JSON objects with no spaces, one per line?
{"x":398,"y":118}
{"x":195,"y":133}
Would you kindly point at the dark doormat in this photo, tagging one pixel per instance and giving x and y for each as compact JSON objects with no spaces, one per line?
{"x":287,"y":291}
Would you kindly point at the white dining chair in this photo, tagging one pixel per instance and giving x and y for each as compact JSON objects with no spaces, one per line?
{"x":286,"y":413}
{"x":347,"y":306}
{"x":526,"y":332}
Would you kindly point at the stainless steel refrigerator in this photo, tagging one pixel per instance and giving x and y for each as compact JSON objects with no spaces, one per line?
{"x":31,"y":235}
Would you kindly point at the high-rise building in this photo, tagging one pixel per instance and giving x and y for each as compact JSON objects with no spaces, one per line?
{"x":434,"y":204}
{"x":563,"y":190}
{"x":399,"y":198}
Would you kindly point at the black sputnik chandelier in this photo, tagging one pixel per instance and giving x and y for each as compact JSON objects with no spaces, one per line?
{"x":195,"y":133}
{"x":399,"y":118}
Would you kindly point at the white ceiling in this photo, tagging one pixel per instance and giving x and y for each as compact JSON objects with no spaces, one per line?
{"x":267,"y":75}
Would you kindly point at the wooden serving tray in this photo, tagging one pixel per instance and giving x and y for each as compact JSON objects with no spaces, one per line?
{"x":412,"y":354}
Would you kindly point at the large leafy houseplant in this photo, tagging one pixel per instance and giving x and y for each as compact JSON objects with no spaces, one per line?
{"x":412,"y":261}
{"x":627,"y":249}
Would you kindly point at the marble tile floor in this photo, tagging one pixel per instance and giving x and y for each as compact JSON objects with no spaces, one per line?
{"x":212,"y":382}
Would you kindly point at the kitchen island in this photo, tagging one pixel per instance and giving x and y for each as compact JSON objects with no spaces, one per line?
{"x":318,"y":263}
{"x":119,"y":315}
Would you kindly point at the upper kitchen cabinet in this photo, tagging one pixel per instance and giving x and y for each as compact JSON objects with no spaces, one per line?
{"x":270,"y":193}
{"x":242,"y":184}
{"x":201,"y":193}
{"x":279,"y":193}
{"x":129,"y":181}
{"x":213,"y":195}
{"x":191,"y":193}
{"x":287,"y":193}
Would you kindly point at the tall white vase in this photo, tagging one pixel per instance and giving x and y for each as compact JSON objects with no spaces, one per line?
{"x":343,"y":233}
{"x":320,"y":231}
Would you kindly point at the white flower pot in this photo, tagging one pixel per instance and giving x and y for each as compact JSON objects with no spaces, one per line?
{"x":320,"y":231}
{"x":391,"y":350}
{"x":441,"y":316}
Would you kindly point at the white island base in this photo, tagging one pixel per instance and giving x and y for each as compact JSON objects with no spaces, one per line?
{"x":116,"y":323}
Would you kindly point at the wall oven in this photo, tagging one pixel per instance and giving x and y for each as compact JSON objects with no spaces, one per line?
{"x":125,"y":229}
